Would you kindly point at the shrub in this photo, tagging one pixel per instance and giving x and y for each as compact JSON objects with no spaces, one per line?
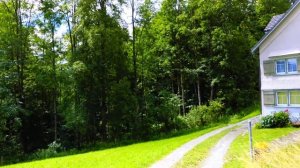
{"x":197,"y":116}
{"x":203,"y":115}
{"x":282,"y":119}
{"x":51,"y":151}
{"x":180,"y":123}
{"x":277,"y":120}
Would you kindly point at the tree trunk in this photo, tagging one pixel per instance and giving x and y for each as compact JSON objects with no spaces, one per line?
{"x":134,"y":55}
{"x":20,"y":55}
{"x":55,"y":84}
{"x":198,"y":92}
{"x":182,"y":93}
{"x":71,"y":38}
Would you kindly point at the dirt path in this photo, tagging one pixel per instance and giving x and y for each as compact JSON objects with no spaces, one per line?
{"x":218,"y":152}
{"x":171,"y":159}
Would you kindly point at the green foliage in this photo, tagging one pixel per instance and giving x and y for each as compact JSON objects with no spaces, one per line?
{"x":266,"y":9}
{"x":203,"y":115}
{"x":123,"y":118}
{"x":165,"y":110}
{"x":277,"y":120}
{"x":181,"y":123}
{"x":83,"y":87}
{"x":126,"y":155}
{"x":51,"y":151}
{"x":282,"y":119}
{"x":152,"y":151}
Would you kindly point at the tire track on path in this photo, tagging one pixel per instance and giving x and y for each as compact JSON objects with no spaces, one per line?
{"x":171,"y":159}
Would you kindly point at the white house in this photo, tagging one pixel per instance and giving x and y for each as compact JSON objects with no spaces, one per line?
{"x":279,"y":53}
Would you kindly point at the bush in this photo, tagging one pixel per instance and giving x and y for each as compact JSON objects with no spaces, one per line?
{"x":203,"y":115}
{"x":180,"y":123}
{"x":197,"y":116}
{"x":51,"y":151}
{"x":277,"y":120}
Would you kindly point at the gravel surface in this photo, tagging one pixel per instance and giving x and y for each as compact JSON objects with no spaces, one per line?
{"x":171,"y":159}
{"x":217,"y":154}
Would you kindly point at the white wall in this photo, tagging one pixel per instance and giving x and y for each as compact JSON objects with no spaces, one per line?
{"x":284,"y":41}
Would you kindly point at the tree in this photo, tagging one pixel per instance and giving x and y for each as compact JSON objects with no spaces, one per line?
{"x":51,"y":20}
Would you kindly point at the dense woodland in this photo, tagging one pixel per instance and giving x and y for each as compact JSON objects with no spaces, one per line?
{"x":100,"y":82}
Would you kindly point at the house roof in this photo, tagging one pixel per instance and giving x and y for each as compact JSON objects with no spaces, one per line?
{"x":274,"y":21}
{"x":274,"y":24}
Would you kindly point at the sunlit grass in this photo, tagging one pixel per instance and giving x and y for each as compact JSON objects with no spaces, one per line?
{"x":133,"y":156}
{"x":238,"y":154}
{"x":279,"y":157}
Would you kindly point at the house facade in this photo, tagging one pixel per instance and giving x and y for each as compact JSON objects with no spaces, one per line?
{"x":279,"y":53}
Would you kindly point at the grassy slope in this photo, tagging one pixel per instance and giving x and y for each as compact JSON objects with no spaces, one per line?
{"x":133,"y":156}
{"x":238,"y":154}
{"x":246,"y":114}
{"x":137,"y":155}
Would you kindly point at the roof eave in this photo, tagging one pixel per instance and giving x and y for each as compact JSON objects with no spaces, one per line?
{"x":253,"y":49}
{"x":257,"y":45}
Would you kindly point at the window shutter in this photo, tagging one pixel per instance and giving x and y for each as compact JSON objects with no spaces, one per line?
{"x":269,"y":97}
{"x":269,"y":67}
{"x":298,"y":64}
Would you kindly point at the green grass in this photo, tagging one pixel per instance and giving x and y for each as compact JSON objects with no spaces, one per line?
{"x":133,"y":156}
{"x":246,"y":114}
{"x":238,"y":154}
{"x":287,"y":156}
{"x":199,"y":153}
{"x":137,"y":155}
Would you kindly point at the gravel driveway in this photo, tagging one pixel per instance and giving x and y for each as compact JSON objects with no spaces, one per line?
{"x":171,"y":159}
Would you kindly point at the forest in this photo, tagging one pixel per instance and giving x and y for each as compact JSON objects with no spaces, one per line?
{"x":106,"y":81}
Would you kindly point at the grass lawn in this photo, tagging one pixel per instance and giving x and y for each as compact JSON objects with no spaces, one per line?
{"x":137,"y":155}
{"x":245,"y":114}
{"x":238,"y":154}
{"x":133,"y":156}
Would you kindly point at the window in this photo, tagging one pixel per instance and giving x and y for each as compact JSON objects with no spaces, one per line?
{"x":280,"y":67}
{"x":287,"y":98}
{"x":287,"y":66}
{"x":282,"y":98}
{"x":292,"y":65}
{"x":295,"y":97}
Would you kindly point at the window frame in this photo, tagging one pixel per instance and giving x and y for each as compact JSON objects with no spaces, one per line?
{"x":288,"y":96}
{"x":286,"y":66}
{"x":289,"y":101}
